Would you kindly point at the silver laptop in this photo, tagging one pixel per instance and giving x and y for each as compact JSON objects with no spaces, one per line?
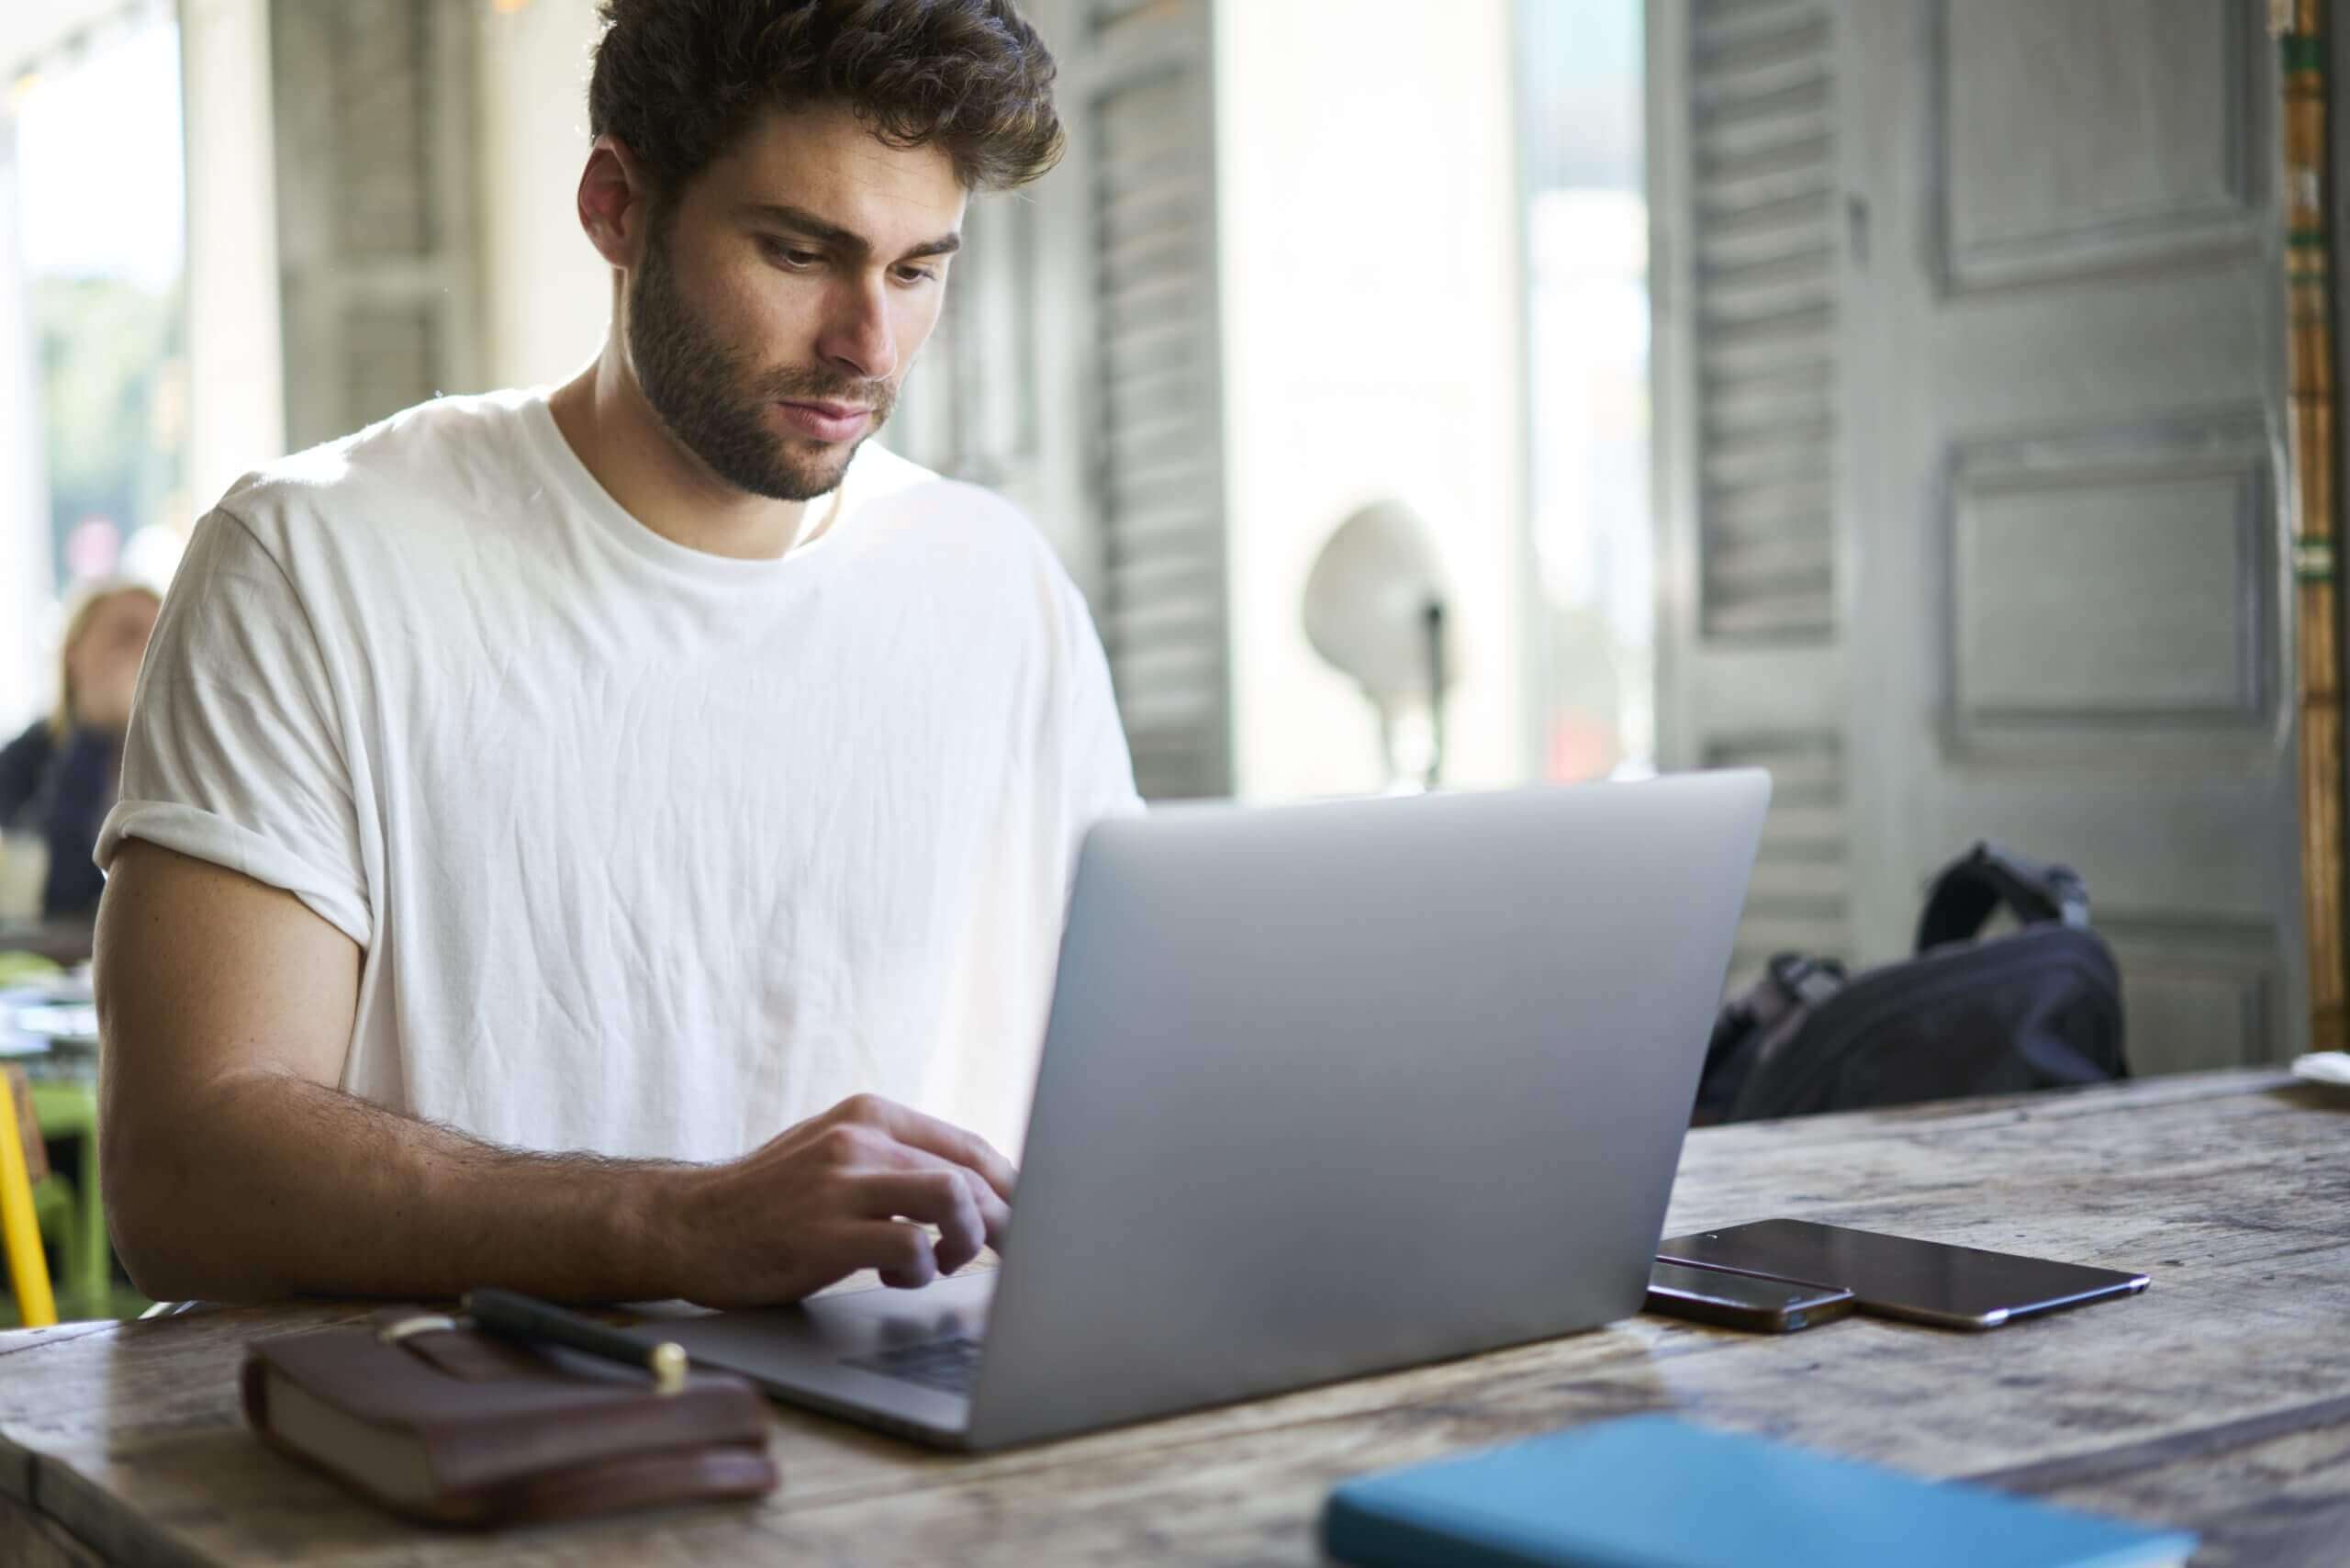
{"x":1328,"y":1090}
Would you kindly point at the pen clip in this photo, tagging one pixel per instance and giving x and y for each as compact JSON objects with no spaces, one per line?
{"x":668,"y":1362}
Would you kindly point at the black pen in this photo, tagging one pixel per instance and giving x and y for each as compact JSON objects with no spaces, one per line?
{"x":512,"y":1315}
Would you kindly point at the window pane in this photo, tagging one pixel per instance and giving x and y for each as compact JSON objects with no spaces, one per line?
{"x":98,"y":231}
{"x":1588,"y":308}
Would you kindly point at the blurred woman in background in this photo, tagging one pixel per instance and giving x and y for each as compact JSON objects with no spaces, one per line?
{"x":59,"y":778}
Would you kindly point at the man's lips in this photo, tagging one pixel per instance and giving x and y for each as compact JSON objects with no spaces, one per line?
{"x":826,"y":422}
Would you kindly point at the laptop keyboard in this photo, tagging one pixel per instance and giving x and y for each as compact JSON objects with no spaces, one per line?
{"x":950,"y":1366}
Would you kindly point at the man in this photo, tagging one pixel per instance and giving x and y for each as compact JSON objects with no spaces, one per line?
{"x":536,"y":801}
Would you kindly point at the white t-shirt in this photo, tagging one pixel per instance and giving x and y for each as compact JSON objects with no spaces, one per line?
{"x":652,"y":851}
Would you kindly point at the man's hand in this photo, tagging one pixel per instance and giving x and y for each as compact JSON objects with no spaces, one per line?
{"x":833,"y":1196}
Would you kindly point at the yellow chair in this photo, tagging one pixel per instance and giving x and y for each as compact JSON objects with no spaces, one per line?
{"x":19,"y":1226}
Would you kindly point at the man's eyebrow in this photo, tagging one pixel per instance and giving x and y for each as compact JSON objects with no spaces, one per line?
{"x":847,"y":239}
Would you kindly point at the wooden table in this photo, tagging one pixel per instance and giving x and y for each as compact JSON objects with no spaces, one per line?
{"x":2219,"y":1399}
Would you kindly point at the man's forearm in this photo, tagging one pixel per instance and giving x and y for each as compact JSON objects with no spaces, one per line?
{"x":276,"y":1186}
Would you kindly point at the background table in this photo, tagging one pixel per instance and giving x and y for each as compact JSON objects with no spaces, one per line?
{"x":64,"y":942}
{"x":64,"y":1076}
{"x":2219,"y":1399}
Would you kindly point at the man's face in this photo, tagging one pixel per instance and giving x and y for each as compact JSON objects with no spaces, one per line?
{"x":783,"y":295}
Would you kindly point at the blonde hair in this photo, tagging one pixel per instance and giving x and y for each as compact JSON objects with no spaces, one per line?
{"x":86,"y":603}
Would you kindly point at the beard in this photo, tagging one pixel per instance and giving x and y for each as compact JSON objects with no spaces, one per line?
{"x":712,"y":401}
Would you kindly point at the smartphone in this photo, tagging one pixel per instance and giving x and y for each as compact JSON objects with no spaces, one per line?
{"x":1742,"y":1301}
{"x":1896,"y":1276}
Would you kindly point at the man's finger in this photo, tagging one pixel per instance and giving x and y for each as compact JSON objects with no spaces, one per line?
{"x":938,"y":1197}
{"x":900,"y":1253}
{"x":950,"y":1142}
{"x":995,"y":1214}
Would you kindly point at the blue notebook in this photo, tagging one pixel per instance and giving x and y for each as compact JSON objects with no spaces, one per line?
{"x":1654,"y":1491}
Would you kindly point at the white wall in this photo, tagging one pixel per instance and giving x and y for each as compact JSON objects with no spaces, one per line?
{"x":236,"y":387}
{"x":29,"y":28}
{"x":547,"y":294}
{"x":1370,"y":280}
{"x":25,"y":565}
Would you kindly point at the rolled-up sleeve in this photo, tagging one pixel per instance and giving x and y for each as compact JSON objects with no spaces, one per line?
{"x":236,"y":752}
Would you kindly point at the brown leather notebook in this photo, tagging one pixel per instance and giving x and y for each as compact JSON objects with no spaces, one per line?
{"x":455,"y":1427}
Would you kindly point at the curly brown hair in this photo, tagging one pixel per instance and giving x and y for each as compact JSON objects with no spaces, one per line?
{"x":677,"y":80}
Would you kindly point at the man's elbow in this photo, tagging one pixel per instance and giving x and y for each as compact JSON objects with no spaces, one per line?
{"x":162,"y":1218}
{"x":155,"y":1270}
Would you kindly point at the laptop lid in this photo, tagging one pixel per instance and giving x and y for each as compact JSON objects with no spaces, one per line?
{"x":1334,"y":1088}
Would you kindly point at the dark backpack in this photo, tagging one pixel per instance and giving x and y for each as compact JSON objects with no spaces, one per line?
{"x":2038,"y":1008}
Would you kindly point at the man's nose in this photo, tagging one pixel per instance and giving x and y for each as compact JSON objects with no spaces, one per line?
{"x":858,"y":336}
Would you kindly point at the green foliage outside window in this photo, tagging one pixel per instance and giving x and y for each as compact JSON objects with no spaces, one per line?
{"x":114,"y":405}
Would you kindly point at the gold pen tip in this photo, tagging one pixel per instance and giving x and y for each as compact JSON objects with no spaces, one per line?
{"x":668,"y":1362}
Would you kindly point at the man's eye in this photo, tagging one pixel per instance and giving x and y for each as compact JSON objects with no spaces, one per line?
{"x":790,"y":255}
{"x":916,"y":274}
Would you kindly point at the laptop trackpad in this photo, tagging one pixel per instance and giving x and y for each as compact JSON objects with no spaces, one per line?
{"x":924,"y":1341}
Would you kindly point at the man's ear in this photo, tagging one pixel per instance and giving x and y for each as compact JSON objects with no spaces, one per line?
{"x":614,"y":202}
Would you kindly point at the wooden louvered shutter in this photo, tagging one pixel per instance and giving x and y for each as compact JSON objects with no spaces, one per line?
{"x":374,"y":209}
{"x":1138,"y":100}
{"x":975,"y":408}
{"x":1748,"y":210}
{"x":1763,"y":183}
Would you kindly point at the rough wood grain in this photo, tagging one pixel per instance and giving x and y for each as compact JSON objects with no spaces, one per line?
{"x":2282,"y":1500}
{"x":2205,"y":1402}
